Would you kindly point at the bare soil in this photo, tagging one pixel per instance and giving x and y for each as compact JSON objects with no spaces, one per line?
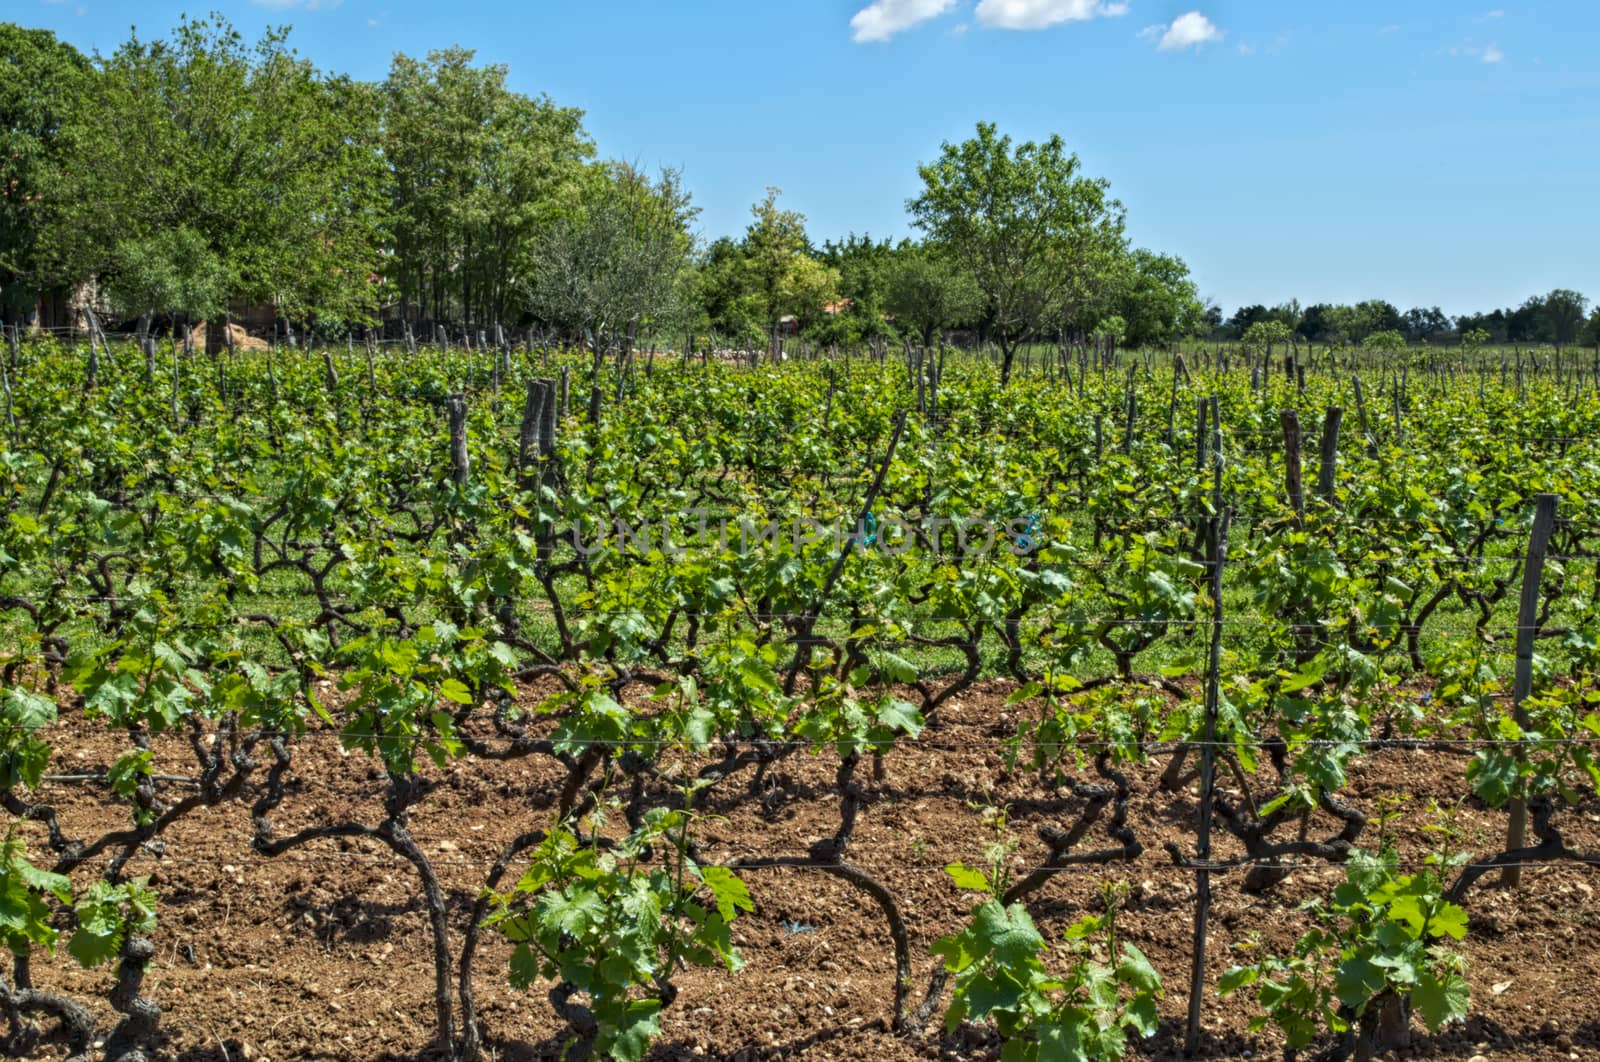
{"x":323,"y":953}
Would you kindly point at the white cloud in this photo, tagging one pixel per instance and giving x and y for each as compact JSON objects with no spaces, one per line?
{"x":1496,"y":13}
{"x":304,"y":5}
{"x":882,"y":19}
{"x":1492,"y":54}
{"x":1040,"y":14}
{"x":1190,"y":30}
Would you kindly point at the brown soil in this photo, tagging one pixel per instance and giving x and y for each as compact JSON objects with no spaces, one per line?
{"x":324,"y":952}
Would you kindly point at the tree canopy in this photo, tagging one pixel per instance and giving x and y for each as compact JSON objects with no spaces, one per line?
{"x":1036,"y":234}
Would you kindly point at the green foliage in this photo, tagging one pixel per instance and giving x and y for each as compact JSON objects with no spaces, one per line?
{"x":24,"y":889}
{"x":40,"y":80}
{"x":201,"y":166}
{"x":1264,"y":336}
{"x":1085,"y":1012}
{"x":1037,"y":236}
{"x":106,"y":914}
{"x":23,"y":754}
{"x":1383,"y":935}
{"x":786,"y":279}
{"x":927,"y":292}
{"x":606,"y":923}
{"x":477,"y":174}
{"x":611,"y":266}
{"x":1387,"y":341}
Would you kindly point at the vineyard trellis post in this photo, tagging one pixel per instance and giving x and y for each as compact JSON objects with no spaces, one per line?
{"x":1327,"y":473}
{"x":1290,"y":420}
{"x":1217,"y":554}
{"x":5,"y":384}
{"x":1544,"y":521}
{"x":460,"y":466}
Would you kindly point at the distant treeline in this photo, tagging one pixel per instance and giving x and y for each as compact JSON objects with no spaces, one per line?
{"x":1557,"y":318}
{"x":200,"y":176}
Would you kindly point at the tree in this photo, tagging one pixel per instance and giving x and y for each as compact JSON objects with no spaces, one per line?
{"x":928,"y":292}
{"x":864,"y":266}
{"x":612,"y":264}
{"x":1591,"y":331}
{"x":1492,"y":325}
{"x":788,"y":281}
{"x":1246,"y":316}
{"x":1158,"y":301}
{"x":1355,"y":323}
{"x":40,"y":78}
{"x":171,"y":272}
{"x":1423,"y":324}
{"x":1528,"y":323}
{"x":1564,"y":309}
{"x":479,"y":172}
{"x":222,"y":167}
{"x":724,"y":294}
{"x":1263,"y":336}
{"x":1316,"y":325}
{"x":1378,"y":315}
{"x":1029,"y":227}
{"x":1288,"y":314}
{"x":1385,"y":341}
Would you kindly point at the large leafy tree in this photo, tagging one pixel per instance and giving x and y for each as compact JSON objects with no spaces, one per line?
{"x":1564,"y":311}
{"x":1156,"y":298}
{"x":40,"y":78}
{"x":204,"y":168}
{"x":479,"y":173}
{"x":865,"y":266}
{"x":927,"y":292}
{"x":1423,"y":324}
{"x":727,"y":306}
{"x":1035,"y":233}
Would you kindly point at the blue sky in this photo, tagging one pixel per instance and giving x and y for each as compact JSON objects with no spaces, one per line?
{"x":1426,"y":152}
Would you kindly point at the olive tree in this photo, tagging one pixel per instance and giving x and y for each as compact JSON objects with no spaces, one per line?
{"x":613,"y":264}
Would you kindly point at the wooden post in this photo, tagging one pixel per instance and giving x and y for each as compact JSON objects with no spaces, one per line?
{"x":547,"y":421}
{"x":460,"y":464}
{"x":1291,"y":462}
{"x":5,"y":385}
{"x":91,"y":378}
{"x":1327,"y":472}
{"x":1133,"y":412}
{"x":1361,"y":411}
{"x":528,"y":449}
{"x":1217,"y":555}
{"x":1544,"y":522}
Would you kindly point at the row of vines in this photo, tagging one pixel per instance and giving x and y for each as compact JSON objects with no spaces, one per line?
{"x":668,"y":576}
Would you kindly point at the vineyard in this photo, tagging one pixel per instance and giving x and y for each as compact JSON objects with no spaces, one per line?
{"x":475,"y":702}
